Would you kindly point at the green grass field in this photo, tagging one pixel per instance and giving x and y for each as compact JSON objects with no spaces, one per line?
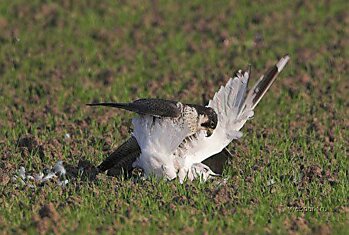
{"x":56,"y":57}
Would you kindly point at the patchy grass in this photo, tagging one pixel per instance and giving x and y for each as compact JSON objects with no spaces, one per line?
{"x":54,"y":58}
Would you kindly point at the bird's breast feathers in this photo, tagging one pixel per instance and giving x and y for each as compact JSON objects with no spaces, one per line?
{"x":190,"y":118}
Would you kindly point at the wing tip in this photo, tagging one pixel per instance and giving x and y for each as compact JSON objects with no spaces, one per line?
{"x":282,"y":62}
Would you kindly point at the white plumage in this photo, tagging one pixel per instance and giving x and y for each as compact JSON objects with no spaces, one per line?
{"x":166,"y":151}
{"x":158,"y":139}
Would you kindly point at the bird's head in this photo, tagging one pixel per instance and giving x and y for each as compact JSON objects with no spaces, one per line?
{"x":209,"y":120}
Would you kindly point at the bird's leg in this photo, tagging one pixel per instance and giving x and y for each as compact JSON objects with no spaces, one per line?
{"x":202,"y":171}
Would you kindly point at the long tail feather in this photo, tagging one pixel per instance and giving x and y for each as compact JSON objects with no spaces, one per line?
{"x":113,"y":105}
{"x":262,"y":86}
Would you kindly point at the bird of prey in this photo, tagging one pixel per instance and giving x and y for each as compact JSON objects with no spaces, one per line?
{"x":191,"y":117}
{"x":170,"y":142}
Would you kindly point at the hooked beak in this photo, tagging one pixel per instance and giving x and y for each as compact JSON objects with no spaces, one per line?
{"x":209,"y":132}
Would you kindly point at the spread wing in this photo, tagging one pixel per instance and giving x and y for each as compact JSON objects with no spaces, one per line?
{"x":233,"y":107}
{"x":152,"y":107}
{"x":122,"y":158}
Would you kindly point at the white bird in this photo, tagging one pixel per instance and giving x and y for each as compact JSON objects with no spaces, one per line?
{"x":164,"y":148}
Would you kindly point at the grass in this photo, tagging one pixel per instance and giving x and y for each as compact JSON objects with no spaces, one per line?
{"x":54,"y":58}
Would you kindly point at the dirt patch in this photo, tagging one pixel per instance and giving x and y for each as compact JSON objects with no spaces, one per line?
{"x":49,"y":211}
{"x":315,"y":172}
{"x":6,"y":168}
{"x":223,"y":194}
{"x":30,"y":142}
{"x":323,"y":229}
{"x":4,"y":177}
{"x":48,"y":220}
{"x":84,"y":169}
{"x":106,"y":76}
{"x":297,"y":224}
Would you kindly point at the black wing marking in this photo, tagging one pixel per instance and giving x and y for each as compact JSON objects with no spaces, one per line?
{"x":124,"y":167}
{"x":265,"y":82}
{"x":217,"y":162}
{"x":122,"y":158}
{"x":152,"y":107}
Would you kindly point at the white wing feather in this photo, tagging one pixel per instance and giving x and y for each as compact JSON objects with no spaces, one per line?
{"x":226,"y":102}
{"x":158,"y":139}
{"x":233,"y":108}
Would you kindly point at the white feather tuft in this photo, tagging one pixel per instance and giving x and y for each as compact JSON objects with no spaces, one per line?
{"x":158,"y":139}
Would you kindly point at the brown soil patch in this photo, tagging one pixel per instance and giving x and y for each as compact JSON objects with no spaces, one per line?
{"x":48,"y":220}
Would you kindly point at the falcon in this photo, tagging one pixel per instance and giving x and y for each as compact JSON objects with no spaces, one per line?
{"x":168,"y":146}
{"x":191,"y":117}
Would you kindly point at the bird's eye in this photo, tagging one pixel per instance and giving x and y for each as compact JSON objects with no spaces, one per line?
{"x":213,"y":125}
